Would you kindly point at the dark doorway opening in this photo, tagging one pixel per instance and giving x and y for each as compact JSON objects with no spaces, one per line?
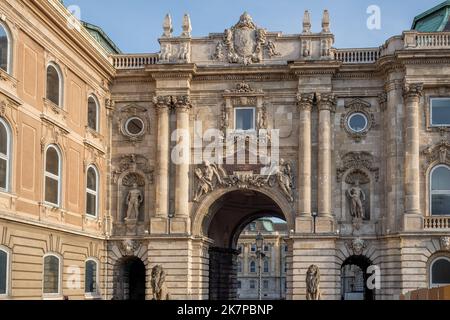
{"x":130,"y":279}
{"x":354,"y":279}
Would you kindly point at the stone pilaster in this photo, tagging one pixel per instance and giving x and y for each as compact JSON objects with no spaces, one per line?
{"x":304,"y":218}
{"x":182,"y":106}
{"x":412,"y":94}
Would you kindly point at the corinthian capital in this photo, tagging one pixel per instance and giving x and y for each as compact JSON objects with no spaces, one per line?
{"x":182,"y":103}
{"x":305,"y":101}
{"x":326,"y":102}
{"x":413,"y":90}
{"x":162,"y":102}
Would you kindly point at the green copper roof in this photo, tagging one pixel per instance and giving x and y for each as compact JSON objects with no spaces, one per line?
{"x":434,"y":20}
{"x":102,"y":38}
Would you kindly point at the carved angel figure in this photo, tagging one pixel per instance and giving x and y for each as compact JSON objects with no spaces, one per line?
{"x":313,"y":283}
{"x":357,"y":198}
{"x":283,"y":176}
{"x":206,"y":177}
{"x":158,"y":283}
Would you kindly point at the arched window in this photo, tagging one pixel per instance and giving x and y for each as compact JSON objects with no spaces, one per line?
{"x":54,"y":84}
{"x":266,"y":268}
{"x":93,"y":113}
{"x":91,"y":277}
{"x":5,"y":49}
{"x":440,"y":272}
{"x":252,"y":266}
{"x":4,"y":272}
{"x":5,"y":155}
{"x":440,"y":190}
{"x":52,"y":274}
{"x":92,"y":192}
{"x":53,"y":176}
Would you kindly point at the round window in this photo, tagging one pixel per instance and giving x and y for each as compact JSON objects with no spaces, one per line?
{"x":134,"y":126}
{"x":357,"y":122}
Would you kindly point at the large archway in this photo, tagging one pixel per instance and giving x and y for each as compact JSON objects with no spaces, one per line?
{"x":226,"y":219}
{"x":130,"y":279}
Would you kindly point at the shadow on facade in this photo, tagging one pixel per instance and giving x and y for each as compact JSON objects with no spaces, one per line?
{"x":354,"y":278}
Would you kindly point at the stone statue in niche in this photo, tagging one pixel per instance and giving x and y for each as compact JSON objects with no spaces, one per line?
{"x":134,"y":202}
{"x":357,"y":198}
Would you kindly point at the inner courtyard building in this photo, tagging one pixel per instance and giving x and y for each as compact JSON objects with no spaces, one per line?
{"x":119,"y":170}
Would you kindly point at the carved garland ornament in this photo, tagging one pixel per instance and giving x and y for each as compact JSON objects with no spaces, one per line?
{"x":357,"y":161}
{"x":357,"y":106}
{"x":244,"y":43}
{"x":439,"y":153}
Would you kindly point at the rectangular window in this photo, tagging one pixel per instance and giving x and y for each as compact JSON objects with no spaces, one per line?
{"x":253,"y":248}
{"x":244,"y":119}
{"x":51,"y":190}
{"x":440,"y":112}
{"x":91,"y":204}
{"x":239,"y":285}
{"x":252,"y":284}
{"x":265,"y":284}
{"x":51,"y":275}
{"x":3,"y":173}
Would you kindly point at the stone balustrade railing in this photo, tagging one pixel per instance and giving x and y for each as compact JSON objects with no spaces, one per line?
{"x":369,"y":55}
{"x":133,"y":61}
{"x":437,"y":223}
{"x":426,"y":40}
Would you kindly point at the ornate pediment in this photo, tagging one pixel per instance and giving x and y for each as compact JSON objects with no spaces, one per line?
{"x":439,"y":153}
{"x":244,"y":43}
{"x":134,"y":163}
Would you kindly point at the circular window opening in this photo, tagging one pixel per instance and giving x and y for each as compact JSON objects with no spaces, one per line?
{"x":134,"y":126}
{"x":357,"y":122}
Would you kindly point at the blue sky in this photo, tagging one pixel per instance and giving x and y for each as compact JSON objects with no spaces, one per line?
{"x":135,"y":25}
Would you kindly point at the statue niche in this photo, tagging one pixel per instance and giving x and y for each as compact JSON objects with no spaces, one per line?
{"x":133,"y":186}
{"x":358,"y":194}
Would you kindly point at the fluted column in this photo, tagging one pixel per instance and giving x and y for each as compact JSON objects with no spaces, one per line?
{"x":327,"y":107}
{"x":183,"y":107}
{"x":162,"y":104}
{"x":305,"y":102}
{"x":412,"y":94}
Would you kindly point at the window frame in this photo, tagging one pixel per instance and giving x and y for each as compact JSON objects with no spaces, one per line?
{"x":96,"y":293}
{"x":9,"y":55}
{"x":431,"y":112}
{"x":60,"y":269}
{"x":54,"y":65}
{"x":252,"y":263}
{"x":254,"y":119}
{"x":430,"y":270}
{"x":127,"y":122}
{"x":8,"y":272}
{"x":430,"y":189}
{"x":97,"y":113}
{"x":8,"y":157}
{"x":52,"y":176}
{"x":266,"y":262}
{"x":354,"y":114}
{"x":92,"y":192}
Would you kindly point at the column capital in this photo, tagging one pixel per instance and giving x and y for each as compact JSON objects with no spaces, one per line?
{"x":326,"y":102}
{"x":413,"y":90}
{"x":162,"y":102}
{"x":382,"y":100}
{"x":305,"y":101}
{"x":182,"y":103}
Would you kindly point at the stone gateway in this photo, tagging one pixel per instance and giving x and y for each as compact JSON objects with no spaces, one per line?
{"x":142,"y":170}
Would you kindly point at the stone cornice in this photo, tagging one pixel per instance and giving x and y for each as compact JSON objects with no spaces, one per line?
{"x":171,"y":71}
{"x":78,"y":40}
{"x":315,"y":67}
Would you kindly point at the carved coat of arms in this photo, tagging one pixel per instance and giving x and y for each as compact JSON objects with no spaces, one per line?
{"x":245,"y":43}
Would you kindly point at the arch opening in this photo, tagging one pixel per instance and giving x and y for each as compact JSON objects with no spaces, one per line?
{"x":354,"y":279}
{"x":130,"y":279}
{"x":229,"y":217}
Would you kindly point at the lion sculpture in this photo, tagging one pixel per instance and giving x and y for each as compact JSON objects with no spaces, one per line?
{"x":312,"y":283}
{"x":158,"y":282}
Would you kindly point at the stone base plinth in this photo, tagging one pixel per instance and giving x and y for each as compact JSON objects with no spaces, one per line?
{"x":159,"y":225}
{"x":325,"y":224}
{"x":412,"y":222}
{"x":180,"y":225}
{"x":304,"y":224}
